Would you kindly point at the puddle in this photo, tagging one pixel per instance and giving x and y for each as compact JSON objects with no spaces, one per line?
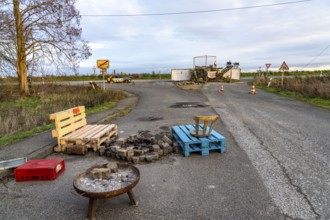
{"x":188,"y":105}
{"x":151,"y":118}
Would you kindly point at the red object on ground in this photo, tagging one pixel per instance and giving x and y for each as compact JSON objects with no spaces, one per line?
{"x":43,"y":169}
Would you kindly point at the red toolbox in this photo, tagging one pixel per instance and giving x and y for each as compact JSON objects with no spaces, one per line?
{"x":43,"y":169}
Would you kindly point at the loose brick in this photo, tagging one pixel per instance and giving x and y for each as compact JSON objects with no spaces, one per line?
{"x":155,"y":148}
{"x":155,"y":156}
{"x":165,"y":145}
{"x":121,"y":141}
{"x":142,"y":158}
{"x":136,"y":160}
{"x":101,"y":173}
{"x":138,"y":152}
{"x":122,"y":152}
{"x":145,"y":150}
{"x":154,"y":140}
{"x":130,"y":148}
{"x":166,"y":149}
{"x":133,"y":137}
{"x":149,"y":157}
{"x":160,"y":142}
{"x":113,"y":166}
{"x":166,"y":139}
{"x":114,"y":148}
{"x":130,"y":154}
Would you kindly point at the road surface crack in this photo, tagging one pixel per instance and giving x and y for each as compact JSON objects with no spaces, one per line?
{"x":285,"y":172}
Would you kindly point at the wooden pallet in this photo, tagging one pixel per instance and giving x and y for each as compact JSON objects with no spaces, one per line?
{"x":188,"y":143}
{"x":91,"y":136}
{"x":72,"y":131}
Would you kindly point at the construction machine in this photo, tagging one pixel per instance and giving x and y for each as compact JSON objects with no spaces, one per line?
{"x":211,"y":73}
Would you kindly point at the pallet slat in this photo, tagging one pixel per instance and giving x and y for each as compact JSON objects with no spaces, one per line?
{"x":188,"y":143}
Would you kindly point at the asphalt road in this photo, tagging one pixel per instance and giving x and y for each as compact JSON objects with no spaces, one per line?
{"x":287,"y":142}
{"x":276,"y":165}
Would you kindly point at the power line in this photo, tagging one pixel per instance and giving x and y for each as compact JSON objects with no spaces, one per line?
{"x":196,"y":12}
{"x":316,"y":56}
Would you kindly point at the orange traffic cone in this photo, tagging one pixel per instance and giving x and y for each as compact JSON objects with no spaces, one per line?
{"x":221,"y":89}
{"x":253,"y":90}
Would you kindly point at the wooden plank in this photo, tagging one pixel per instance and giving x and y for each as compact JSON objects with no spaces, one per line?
{"x":70,"y":120}
{"x":188,"y":128}
{"x":91,"y":131}
{"x":99,"y":131}
{"x":66,"y":113}
{"x":216,"y":135}
{"x":70,"y":128}
{"x":181,"y":134}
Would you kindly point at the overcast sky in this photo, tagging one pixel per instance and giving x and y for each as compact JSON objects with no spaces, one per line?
{"x":297,"y":33}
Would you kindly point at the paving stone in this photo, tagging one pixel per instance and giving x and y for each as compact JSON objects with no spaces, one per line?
{"x":155,"y":156}
{"x":114,"y":148}
{"x":154,"y":140}
{"x":136,"y":160}
{"x":160,"y":142}
{"x":122,"y":152}
{"x":149,"y":157}
{"x":165,"y":145}
{"x":138,"y":152}
{"x":166,"y":149}
{"x":133,"y":137}
{"x":155,"y":148}
{"x":142,"y":158}
{"x":113,"y":166}
{"x":130,"y":147}
{"x":167,"y":139}
{"x":101,"y":173}
{"x":121,"y":141}
{"x":130,"y":154}
{"x":145,"y":150}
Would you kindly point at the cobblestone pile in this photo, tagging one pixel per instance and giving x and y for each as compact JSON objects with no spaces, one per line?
{"x":138,"y":148}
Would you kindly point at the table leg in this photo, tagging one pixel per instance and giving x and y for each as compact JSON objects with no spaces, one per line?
{"x":91,"y":209}
{"x":132,"y":198}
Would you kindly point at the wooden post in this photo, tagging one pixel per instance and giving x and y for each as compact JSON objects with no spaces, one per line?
{"x":282,"y":78}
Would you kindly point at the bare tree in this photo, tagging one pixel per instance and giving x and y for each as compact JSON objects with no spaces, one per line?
{"x":39,"y":32}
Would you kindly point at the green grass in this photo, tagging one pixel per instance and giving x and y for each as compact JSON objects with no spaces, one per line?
{"x":12,"y":138}
{"x":320,"y":102}
{"x":9,"y":139}
{"x":289,"y":73}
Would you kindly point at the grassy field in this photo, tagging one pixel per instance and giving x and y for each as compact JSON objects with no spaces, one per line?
{"x":93,"y":77}
{"x":23,"y":116}
{"x":315,"y":90}
{"x":290,"y":73}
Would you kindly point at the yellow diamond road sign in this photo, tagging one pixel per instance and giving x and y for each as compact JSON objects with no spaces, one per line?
{"x":284,"y":67}
{"x":103,"y":64}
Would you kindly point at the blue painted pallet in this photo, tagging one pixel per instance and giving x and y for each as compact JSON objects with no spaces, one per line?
{"x":189,"y":143}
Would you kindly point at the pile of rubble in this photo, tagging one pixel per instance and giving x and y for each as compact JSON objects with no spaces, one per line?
{"x":138,"y":149}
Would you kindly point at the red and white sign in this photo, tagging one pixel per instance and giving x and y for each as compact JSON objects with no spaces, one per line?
{"x":284,"y":66}
{"x":268,"y":65}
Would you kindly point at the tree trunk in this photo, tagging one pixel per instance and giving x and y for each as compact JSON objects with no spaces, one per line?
{"x":20,"y":50}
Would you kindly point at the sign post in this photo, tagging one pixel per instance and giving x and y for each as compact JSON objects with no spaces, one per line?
{"x":103,"y":65}
{"x":283,"y":67}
